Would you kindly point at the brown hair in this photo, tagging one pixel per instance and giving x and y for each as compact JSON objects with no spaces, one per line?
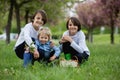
{"x":44,"y":15}
{"x":75,"y":21}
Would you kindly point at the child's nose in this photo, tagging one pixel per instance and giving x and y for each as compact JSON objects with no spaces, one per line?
{"x":72,"y":26}
{"x":41,"y":21}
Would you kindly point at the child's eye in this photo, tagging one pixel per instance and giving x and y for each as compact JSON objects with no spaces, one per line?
{"x":45,"y":37}
{"x":42,"y":37}
{"x":70,"y":24}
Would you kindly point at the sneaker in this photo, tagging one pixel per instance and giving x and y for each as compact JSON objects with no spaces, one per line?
{"x":75,"y":58}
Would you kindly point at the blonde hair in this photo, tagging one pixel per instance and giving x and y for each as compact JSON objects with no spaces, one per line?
{"x":46,"y":31}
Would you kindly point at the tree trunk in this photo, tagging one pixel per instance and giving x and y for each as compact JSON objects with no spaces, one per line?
{"x":17,"y":11}
{"x":112,"y":29}
{"x":8,"y":26}
{"x":26,"y":16}
{"x":90,"y":36}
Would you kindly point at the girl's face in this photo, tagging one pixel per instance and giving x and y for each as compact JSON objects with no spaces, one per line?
{"x":43,"y":38}
{"x":72,"y":28}
{"x":38,"y":21}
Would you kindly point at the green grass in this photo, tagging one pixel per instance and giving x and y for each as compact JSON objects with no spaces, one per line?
{"x":103,"y":64}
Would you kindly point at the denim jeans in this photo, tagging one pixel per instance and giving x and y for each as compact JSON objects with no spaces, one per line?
{"x":27,"y":57}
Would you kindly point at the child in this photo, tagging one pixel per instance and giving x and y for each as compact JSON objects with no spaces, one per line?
{"x":28,"y":32}
{"x":48,"y":51}
{"x":73,"y":41}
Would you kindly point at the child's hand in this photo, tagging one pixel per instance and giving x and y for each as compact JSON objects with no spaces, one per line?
{"x":36,"y":54}
{"x":52,"y":58}
{"x":67,"y":38}
{"x":26,"y":49}
{"x":52,"y":44}
{"x":62,"y":41}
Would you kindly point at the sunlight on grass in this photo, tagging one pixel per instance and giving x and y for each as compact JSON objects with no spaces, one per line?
{"x":105,"y":39}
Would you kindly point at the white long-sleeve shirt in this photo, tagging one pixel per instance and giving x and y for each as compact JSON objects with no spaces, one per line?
{"x":78,"y":43}
{"x":26,"y":34}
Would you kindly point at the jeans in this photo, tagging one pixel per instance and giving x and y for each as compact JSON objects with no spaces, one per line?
{"x":27,"y":57}
{"x":44,"y":57}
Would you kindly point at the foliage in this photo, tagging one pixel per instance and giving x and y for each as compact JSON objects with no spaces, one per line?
{"x":24,"y":6}
{"x":53,"y":8}
{"x":94,"y":13}
{"x":89,"y":14}
{"x":3,"y":13}
{"x":58,"y":29}
{"x":111,"y":9}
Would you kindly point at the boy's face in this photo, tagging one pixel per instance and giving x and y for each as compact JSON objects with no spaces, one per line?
{"x":43,"y":38}
{"x":72,"y":28}
{"x":38,"y":21}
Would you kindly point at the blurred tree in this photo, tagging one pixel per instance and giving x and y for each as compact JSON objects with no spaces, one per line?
{"x":90,"y":16}
{"x":4,"y":7}
{"x":97,"y":13}
{"x":55,"y":9}
{"x":111,"y":9}
{"x":13,"y":3}
{"x":17,"y":6}
{"x":52,"y":7}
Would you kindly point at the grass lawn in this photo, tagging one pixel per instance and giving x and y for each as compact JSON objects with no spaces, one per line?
{"x":103,"y":64}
